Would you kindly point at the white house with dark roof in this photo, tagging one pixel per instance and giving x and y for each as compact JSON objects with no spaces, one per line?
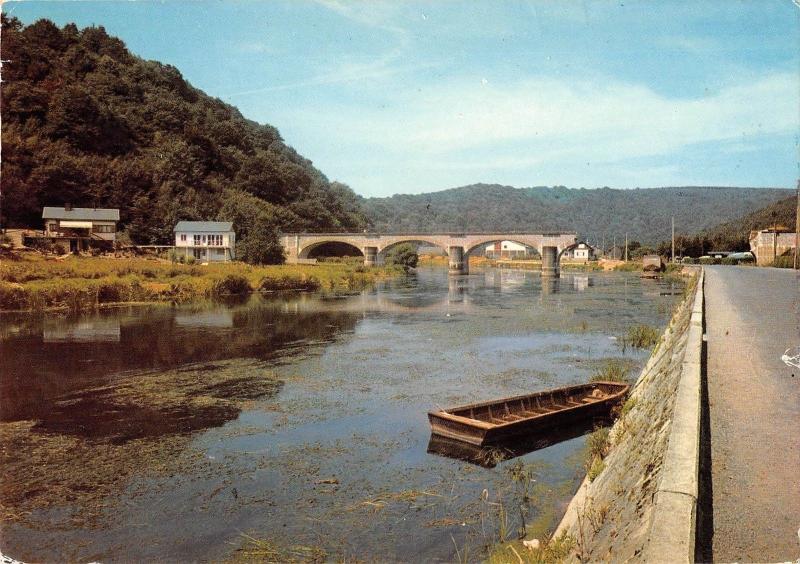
{"x":206,"y":241}
{"x":80,"y":226}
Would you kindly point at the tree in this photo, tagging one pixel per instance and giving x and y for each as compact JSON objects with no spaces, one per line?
{"x":404,"y":255}
{"x":261,"y":245}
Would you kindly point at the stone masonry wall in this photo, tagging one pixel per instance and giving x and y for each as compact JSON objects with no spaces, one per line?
{"x":610,"y":517}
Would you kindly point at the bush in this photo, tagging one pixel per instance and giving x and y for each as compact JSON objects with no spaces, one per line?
{"x":190,"y":260}
{"x":287,"y":282}
{"x":689,"y":260}
{"x":729,"y":261}
{"x":404,"y":255}
{"x":784,"y":262}
{"x":232,"y":284}
{"x":12,"y":297}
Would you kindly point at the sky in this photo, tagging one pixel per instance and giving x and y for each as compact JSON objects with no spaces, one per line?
{"x":408,"y":97}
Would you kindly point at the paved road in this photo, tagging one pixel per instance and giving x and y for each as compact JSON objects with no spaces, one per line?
{"x":753,"y":316}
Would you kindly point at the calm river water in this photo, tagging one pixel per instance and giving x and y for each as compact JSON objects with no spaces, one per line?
{"x":176,"y":433}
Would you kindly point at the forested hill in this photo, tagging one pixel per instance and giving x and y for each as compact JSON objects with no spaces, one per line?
{"x":781,"y":214}
{"x":643,"y":213}
{"x":88,"y":123}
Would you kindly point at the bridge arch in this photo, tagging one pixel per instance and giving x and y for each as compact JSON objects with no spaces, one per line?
{"x":309,"y":248}
{"x":482,"y":245}
{"x":413,"y":240}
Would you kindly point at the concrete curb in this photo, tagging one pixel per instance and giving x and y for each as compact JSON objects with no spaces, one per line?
{"x":673,"y":529}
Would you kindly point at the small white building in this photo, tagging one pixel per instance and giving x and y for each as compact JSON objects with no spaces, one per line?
{"x":507,"y":250}
{"x":584,"y":251}
{"x":206,"y":241}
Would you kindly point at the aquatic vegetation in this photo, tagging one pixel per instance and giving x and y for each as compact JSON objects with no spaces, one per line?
{"x":91,"y":443}
{"x":641,"y":336}
{"x":612,"y":370}
{"x":262,"y":550}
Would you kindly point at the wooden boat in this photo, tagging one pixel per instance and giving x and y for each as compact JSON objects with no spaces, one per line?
{"x":498,"y":420}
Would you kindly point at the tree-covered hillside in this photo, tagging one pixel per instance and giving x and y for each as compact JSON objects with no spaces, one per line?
{"x":781,"y":214}
{"x":86,"y":122}
{"x":643,"y":213}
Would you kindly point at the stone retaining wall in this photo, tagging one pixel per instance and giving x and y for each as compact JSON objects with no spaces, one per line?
{"x":642,"y":505}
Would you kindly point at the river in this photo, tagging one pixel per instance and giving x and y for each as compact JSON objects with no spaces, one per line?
{"x":185,"y":432}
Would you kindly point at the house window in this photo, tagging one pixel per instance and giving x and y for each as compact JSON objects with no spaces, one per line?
{"x":198,"y":253}
{"x":103,"y":229}
{"x":183,"y":237}
{"x":197,"y":239}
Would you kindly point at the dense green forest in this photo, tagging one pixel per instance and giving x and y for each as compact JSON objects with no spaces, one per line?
{"x":86,"y":122}
{"x":597,"y":214}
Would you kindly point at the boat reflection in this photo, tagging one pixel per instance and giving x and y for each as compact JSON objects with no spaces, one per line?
{"x":491,"y":456}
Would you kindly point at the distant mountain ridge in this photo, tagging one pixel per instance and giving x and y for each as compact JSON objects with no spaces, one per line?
{"x":596,"y":214}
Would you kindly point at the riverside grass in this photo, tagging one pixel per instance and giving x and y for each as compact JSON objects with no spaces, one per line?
{"x":33,"y":282}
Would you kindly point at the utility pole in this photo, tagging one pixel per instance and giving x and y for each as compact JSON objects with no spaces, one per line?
{"x":614,"y":248}
{"x":626,"y":247}
{"x":673,"y":238}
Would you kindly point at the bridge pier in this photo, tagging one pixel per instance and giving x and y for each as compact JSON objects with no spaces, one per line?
{"x":459,"y":261}
{"x":550,"y":266}
{"x":370,"y":256}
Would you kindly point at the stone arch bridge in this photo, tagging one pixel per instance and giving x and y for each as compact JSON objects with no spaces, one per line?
{"x":458,"y":246}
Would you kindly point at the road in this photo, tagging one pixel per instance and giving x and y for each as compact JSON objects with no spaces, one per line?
{"x":752,"y":317}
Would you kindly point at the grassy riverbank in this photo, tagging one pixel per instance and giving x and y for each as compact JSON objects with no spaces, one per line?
{"x":32,"y":282}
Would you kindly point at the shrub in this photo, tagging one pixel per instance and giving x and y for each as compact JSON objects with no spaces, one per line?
{"x":709,"y":260}
{"x":231,"y":284}
{"x":404,"y":255}
{"x":111,"y":291}
{"x":729,"y":261}
{"x":190,"y":260}
{"x":784,"y":262}
{"x":12,"y":297}
{"x":689,"y":260}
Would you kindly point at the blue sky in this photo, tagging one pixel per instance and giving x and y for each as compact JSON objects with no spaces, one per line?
{"x":404,"y":97}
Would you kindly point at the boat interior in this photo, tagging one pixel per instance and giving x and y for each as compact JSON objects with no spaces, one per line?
{"x":524,"y":407}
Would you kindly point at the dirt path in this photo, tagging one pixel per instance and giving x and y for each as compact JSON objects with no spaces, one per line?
{"x":753,"y":316}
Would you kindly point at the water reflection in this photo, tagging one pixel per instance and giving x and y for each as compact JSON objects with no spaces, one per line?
{"x":54,"y":357}
{"x":491,"y":456}
{"x":83,"y":331}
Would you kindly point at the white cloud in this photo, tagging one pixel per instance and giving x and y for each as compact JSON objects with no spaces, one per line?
{"x":545,"y":119}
